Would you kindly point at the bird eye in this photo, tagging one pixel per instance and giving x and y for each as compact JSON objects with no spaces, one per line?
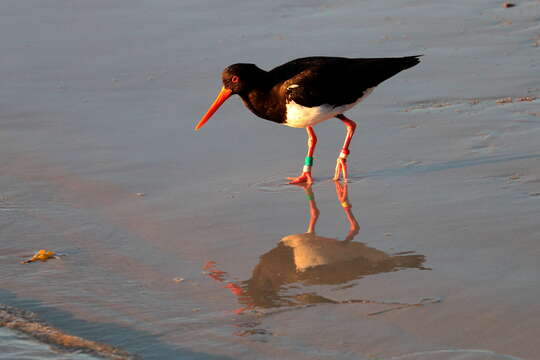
{"x":235,"y":79}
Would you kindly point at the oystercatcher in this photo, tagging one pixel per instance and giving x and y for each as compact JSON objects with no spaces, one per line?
{"x":307,"y":91}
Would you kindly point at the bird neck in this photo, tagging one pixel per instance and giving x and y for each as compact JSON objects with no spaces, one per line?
{"x":263,"y":101}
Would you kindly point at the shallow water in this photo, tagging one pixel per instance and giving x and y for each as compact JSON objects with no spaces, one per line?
{"x":99,"y":162}
{"x":14,"y":345}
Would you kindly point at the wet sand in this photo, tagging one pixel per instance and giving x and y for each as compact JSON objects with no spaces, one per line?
{"x":27,"y":323}
{"x":19,"y":346}
{"x":190,"y":245}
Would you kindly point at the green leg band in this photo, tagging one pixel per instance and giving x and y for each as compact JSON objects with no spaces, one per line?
{"x":308,"y":161}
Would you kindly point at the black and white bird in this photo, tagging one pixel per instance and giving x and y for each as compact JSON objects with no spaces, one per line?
{"x":308,"y":91}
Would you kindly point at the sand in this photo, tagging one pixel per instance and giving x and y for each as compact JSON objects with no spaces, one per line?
{"x":97,"y":106}
{"x":25,"y":322}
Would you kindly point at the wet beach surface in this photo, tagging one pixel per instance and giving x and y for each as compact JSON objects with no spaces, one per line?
{"x":190,"y":245}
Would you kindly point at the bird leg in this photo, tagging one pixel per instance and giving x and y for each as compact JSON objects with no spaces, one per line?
{"x":341,"y":163}
{"x":306,"y":172}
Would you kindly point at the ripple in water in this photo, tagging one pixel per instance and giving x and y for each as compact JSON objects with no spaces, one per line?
{"x":454,"y":354}
{"x":15,"y":345}
{"x":279,"y":183}
{"x":23,"y":336}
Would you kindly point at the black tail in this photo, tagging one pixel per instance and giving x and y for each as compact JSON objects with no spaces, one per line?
{"x":393,"y":66}
{"x":382,"y":69}
{"x":410,"y":61}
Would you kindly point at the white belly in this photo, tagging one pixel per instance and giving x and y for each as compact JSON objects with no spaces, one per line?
{"x":299,"y":116}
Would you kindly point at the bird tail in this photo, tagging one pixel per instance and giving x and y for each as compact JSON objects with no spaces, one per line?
{"x":385,"y":68}
{"x":410,"y":61}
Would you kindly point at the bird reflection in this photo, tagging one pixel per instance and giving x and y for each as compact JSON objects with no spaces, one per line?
{"x":308,"y":259}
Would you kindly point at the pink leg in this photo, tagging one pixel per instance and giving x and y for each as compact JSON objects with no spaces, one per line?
{"x":341,"y":166}
{"x":306,"y":173}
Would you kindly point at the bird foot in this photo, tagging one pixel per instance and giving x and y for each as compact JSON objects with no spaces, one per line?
{"x":341,"y":168}
{"x":304,"y":178}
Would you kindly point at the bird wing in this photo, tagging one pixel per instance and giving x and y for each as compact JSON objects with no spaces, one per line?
{"x":336,"y":81}
{"x":324,"y":84}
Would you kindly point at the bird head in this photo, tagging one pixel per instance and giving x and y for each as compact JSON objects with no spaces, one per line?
{"x":237,"y":79}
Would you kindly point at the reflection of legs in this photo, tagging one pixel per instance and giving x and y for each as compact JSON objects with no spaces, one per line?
{"x":342,"y":194}
{"x":341,"y":163}
{"x":313,"y":210}
{"x":306,"y":172}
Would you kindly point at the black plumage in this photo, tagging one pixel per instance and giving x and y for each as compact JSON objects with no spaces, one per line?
{"x":310,"y":82}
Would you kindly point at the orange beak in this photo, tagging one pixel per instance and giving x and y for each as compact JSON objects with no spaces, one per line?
{"x":223,"y":95}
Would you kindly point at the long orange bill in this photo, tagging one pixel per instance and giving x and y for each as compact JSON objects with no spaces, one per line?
{"x":222,"y":96}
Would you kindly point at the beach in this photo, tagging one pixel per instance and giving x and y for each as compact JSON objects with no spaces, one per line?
{"x":176,"y":244}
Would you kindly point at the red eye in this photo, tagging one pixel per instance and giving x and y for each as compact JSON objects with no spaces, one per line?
{"x":235,"y":79}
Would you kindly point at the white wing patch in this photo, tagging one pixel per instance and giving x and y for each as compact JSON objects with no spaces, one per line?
{"x":299,"y":116}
